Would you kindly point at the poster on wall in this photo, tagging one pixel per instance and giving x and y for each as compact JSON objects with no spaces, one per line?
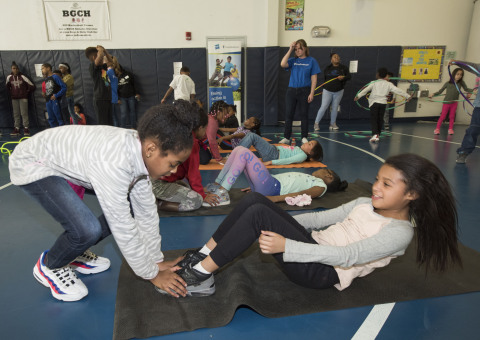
{"x":77,"y":20}
{"x":294,"y":14}
{"x":225,"y":75}
{"x":422,"y":63}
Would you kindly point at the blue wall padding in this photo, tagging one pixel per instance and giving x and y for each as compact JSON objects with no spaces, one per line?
{"x":265,"y":85}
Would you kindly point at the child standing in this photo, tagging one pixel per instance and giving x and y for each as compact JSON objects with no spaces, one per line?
{"x":19,"y":88}
{"x":173,"y":196}
{"x":69,"y":81}
{"x":471,"y":134}
{"x":118,"y":165}
{"x":182,"y":85}
{"x":378,"y":100}
{"x":55,"y":88}
{"x":78,"y":109}
{"x":450,"y":106}
{"x":127,"y":95}
{"x":354,"y":239}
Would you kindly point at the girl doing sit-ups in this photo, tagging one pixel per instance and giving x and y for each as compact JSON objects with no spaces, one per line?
{"x":409,"y":193}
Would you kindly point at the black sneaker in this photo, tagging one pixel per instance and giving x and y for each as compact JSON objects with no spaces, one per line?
{"x":198,"y":284}
{"x":192,"y":256}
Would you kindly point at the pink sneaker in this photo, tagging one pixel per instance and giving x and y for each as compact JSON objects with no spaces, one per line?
{"x":450,"y":131}
{"x":436,"y":131}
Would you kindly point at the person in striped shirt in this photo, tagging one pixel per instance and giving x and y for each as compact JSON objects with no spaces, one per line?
{"x":118,"y":164}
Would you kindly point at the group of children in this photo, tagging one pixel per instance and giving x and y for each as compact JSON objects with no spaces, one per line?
{"x":317,"y":250}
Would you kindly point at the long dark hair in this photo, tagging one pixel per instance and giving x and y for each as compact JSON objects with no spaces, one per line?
{"x":170,"y":125}
{"x":454,"y":73}
{"x":434,"y":212}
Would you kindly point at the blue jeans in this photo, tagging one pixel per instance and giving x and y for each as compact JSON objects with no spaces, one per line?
{"x":328,"y":98}
{"x":267,"y":151}
{"x":82,"y":228}
{"x":54,"y":113}
{"x":296,"y":97}
{"x":127,"y":106}
{"x":119,"y":119}
{"x":471,"y":134}
{"x":71,"y":109}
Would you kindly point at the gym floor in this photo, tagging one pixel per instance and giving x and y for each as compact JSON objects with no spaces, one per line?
{"x":29,"y":311}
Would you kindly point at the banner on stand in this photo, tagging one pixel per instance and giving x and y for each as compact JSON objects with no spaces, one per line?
{"x":77,"y":20}
{"x":225,"y":72}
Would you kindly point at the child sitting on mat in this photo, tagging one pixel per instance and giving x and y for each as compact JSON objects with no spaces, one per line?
{"x":410,"y":193}
{"x":216,"y":115}
{"x":230,"y":119}
{"x":251,"y":124}
{"x":171,"y":192}
{"x":275,"y":187}
{"x":283,"y":154}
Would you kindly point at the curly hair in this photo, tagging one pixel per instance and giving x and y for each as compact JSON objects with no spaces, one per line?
{"x":170,"y":125}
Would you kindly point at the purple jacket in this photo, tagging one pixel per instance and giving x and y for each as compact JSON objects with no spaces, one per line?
{"x":19,"y":86}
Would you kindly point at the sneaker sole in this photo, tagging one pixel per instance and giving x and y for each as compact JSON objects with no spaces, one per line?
{"x":37,"y":274}
{"x":206,"y":205}
{"x":206,"y":288}
{"x":85,"y":269}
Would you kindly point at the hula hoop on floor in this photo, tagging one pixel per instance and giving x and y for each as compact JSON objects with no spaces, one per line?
{"x":390,"y":108}
{"x":6,"y":150}
{"x":319,"y":86}
{"x":365,"y":134}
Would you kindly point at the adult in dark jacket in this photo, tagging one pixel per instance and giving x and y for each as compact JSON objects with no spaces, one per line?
{"x":332,"y":91}
{"x":127,"y":94}
{"x":19,"y":87}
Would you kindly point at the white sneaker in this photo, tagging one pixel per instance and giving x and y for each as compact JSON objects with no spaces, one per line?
{"x":304,"y":140}
{"x":316,"y":127}
{"x":285,"y":141}
{"x":223,"y":198}
{"x":63,"y":282}
{"x":374,"y":139}
{"x":334,"y":127}
{"x":89,"y":263}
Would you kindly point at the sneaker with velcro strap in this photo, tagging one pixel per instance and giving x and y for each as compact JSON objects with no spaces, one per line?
{"x":89,"y":263}
{"x":63,"y":282}
{"x":198,"y":284}
{"x":192,"y":256}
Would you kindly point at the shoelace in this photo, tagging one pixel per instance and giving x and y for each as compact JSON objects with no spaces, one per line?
{"x":89,"y":255}
{"x":66,"y":276}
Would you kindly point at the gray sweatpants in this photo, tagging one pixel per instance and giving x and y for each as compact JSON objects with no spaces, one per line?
{"x":20,"y":111}
{"x":172,"y":192}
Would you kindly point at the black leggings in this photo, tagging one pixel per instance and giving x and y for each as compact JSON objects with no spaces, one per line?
{"x":377,"y":111}
{"x":242,"y":227}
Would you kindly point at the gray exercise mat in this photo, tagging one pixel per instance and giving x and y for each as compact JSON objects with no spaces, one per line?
{"x":255,"y":280}
{"x":357,"y":189}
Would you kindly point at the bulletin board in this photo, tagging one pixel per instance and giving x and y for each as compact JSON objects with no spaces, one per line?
{"x":422,"y":63}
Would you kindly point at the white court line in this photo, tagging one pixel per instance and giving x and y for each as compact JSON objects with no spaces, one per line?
{"x":365,"y":151}
{"x":429,"y":138}
{"x":6,"y":185}
{"x":374,"y":322}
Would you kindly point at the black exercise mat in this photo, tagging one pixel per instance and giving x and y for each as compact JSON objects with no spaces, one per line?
{"x":328,"y":201}
{"x":255,"y":280}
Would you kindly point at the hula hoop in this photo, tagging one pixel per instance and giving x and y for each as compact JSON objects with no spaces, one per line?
{"x":467,"y":68}
{"x":319,"y":86}
{"x":373,"y":81}
{"x":365,"y":134}
{"x":5,"y":150}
